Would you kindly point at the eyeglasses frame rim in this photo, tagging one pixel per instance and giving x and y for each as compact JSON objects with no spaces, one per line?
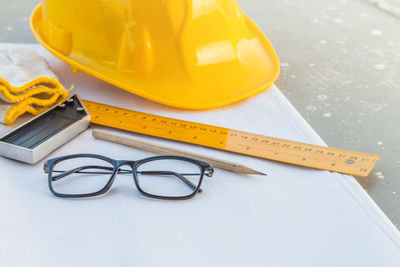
{"x":50,"y":163}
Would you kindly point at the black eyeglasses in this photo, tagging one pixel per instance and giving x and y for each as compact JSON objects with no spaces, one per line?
{"x":161,"y":177}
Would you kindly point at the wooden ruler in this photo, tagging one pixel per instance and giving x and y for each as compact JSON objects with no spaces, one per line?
{"x":319,"y":157}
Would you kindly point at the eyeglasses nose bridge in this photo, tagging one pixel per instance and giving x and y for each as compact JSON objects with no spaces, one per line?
{"x":119,"y":163}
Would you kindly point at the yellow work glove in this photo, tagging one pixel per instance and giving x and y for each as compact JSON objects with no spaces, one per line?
{"x":27,"y":84}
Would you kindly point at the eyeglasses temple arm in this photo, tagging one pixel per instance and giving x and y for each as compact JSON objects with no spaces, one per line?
{"x":79,"y":170}
{"x":182,"y":178}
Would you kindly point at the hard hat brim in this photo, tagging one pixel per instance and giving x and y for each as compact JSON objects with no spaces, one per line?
{"x":225,"y":85}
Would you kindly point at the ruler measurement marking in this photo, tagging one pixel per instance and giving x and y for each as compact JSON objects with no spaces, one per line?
{"x":245,"y":143}
{"x":332,"y":159}
{"x":324,"y":151}
{"x":279,"y":156}
{"x":106,"y":115}
{"x":302,"y":156}
{"x":309,"y":156}
{"x":331,"y":166}
{"x":141,"y":128}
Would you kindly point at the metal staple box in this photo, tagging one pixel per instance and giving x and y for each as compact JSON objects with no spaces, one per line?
{"x":38,"y":137}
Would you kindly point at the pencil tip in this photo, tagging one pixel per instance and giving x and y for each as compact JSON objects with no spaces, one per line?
{"x":261,"y":173}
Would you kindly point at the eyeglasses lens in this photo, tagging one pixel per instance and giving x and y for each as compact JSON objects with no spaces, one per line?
{"x":169,"y":177}
{"x":81,"y":175}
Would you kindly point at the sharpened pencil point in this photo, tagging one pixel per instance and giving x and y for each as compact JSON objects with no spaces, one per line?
{"x":261,"y":173}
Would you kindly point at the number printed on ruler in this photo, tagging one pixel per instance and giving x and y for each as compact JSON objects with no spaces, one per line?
{"x":250,"y":144}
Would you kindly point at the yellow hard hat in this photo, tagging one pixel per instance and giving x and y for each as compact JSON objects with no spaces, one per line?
{"x":193,"y":54}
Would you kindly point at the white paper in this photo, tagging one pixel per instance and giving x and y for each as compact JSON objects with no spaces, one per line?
{"x":293,"y":217}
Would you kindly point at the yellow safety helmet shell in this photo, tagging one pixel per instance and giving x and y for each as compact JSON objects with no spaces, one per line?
{"x":193,"y":54}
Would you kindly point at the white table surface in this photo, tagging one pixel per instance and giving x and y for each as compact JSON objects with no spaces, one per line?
{"x":293,"y":217}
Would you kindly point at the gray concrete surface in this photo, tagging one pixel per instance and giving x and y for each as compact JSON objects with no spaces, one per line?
{"x":340,"y":69}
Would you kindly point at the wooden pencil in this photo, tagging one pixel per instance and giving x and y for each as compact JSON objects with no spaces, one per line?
{"x":165,"y":150}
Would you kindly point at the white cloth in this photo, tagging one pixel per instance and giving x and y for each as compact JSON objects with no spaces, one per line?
{"x":20,"y":66}
{"x":293,"y":217}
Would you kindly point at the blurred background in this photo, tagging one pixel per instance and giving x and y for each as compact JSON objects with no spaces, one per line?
{"x":340,"y":68}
